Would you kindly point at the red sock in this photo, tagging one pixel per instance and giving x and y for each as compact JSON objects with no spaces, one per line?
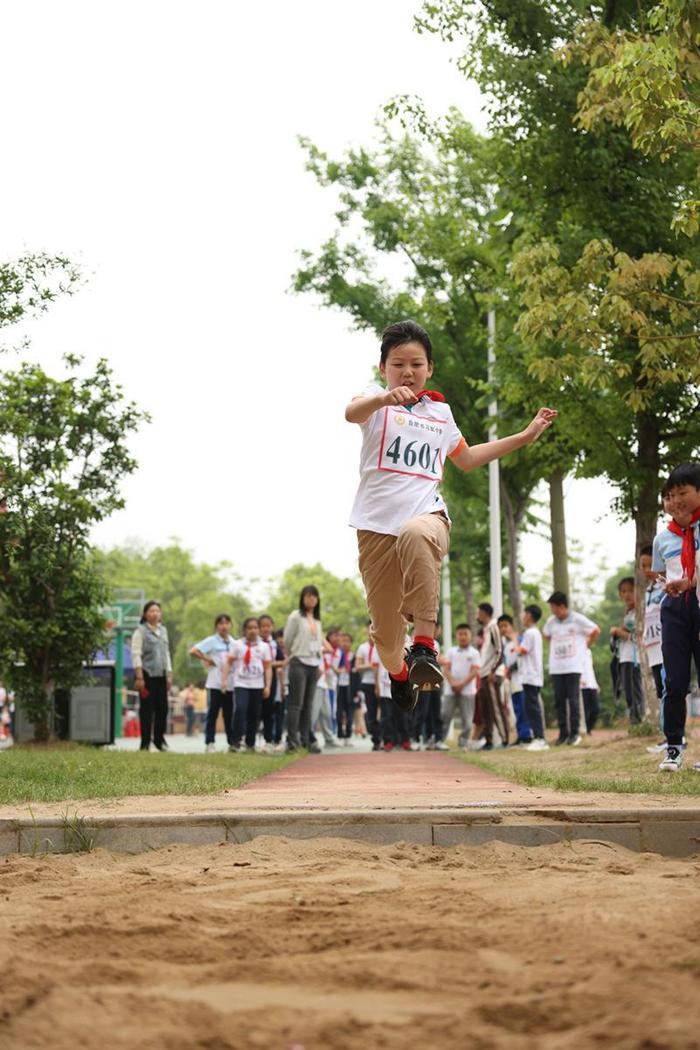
{"x":402,"y":675}
{"x":422,"y":639}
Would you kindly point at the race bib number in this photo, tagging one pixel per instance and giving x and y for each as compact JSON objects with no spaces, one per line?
{"x":652,"y":626}
{"x":412,"y":444}
{"x":252,"y":670}
{"x":564,"y":649}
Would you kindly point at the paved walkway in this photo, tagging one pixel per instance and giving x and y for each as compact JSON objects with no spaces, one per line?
{"x":354,"y":781}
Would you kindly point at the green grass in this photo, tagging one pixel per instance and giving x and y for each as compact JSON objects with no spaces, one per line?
{"x":72,"y":772}
{"x":620,"y":766}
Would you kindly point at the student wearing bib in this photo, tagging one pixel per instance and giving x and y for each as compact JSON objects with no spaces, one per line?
{"x":367,"y":666}
{"x":401,"y":519}
{"x":511,"y":660}
{"x":532,"y":672}
{"x":653,"y":594}
{"x":568,"y":633}
{"x":213,"y":652}
{"x":270,"y":704}
{"x":304,"y":643}
{"x":251,"y":659}
{"x":628,"y":653}
{"x":676,"y":557}
{"x":461,"y":666}
{"x":342,"y":665}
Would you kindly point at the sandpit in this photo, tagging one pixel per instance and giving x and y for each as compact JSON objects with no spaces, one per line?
{"x":327,"y":943}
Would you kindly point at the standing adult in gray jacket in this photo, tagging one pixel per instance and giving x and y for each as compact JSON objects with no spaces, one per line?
{"x":304,"y":643}
{"x":150,"y":652}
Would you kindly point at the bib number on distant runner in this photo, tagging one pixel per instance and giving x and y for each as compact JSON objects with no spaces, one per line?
{"x":564,"y":649}
{"x":652,"y":626}
{"x":412,"y":445}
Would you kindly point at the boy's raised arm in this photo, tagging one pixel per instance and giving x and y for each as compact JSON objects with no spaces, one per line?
{"x":473,"y":456}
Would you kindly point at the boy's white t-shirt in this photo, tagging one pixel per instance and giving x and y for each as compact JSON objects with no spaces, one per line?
{"x":252,"y":674}
{"x":367,"y":653}
{"x":531,"y":665}
{"x":567,"y":642}
{"x":401,"y":463}
{"x":462,"y":662}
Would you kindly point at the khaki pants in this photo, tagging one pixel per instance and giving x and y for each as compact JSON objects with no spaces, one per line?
{"x":401,"y":575}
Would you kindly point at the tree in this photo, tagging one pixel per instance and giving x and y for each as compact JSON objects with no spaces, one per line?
{"x":587,"y":206}
{"x":63,"y":454}
{"x":192,"y":594}
{"x":646,"y":80}
{"x":342,"y":600}
{"x":29,"y":285}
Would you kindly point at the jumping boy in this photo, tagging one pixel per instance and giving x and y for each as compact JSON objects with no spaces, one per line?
{"x":677,"y":556}
{"x":401,"y":519}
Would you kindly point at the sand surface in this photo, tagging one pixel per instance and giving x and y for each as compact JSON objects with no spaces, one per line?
{"x":308,"y":945}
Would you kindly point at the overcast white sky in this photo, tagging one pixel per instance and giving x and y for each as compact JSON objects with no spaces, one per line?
{"x":155,"y":143}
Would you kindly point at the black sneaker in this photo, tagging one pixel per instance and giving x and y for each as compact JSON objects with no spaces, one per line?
{"x":404,"y":695}
{"x":423,"y":667}
{"x":560,"y":740}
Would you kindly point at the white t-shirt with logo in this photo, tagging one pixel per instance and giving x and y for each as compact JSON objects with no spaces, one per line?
{"x":567,"y":642}
{"x":343,"y":672}
{"x":462,"y":662}
{"x":367,"y":654}
{"x":250,"y":675}
{"x":531,"y":665}
{"x":401,"y":463}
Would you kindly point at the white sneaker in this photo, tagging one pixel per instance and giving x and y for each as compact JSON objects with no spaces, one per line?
{"x":210,"y":749}
{"x":574,"y":741}
{"x":441,"y":746}
{"x":656,"y":749}
{"x":476,"y":745}
{"x":673,"y":761}
{"x":538,"y":744}
{"x":268,"y":749}
{"x":430,"y":744}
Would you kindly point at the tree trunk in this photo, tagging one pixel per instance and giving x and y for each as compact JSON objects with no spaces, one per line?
{"x":513,"y":519}
{"x":560,"y":558}
{"x":645,"y":520}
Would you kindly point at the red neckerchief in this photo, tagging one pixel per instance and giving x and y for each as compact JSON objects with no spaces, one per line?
{"x":434,"y":395}
{"x":371,"y":653}
{"x":688,"y":548}
{"x":248,"y":654}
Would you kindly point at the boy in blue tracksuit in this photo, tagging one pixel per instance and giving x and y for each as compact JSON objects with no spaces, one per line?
{"x":676,"y":554}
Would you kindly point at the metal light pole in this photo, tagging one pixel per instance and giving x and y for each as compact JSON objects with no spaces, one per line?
{"x":494,"y":480}
{"x":446,"y":604}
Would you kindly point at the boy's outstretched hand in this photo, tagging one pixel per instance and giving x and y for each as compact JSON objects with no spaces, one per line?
{"x":542,"y":421}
